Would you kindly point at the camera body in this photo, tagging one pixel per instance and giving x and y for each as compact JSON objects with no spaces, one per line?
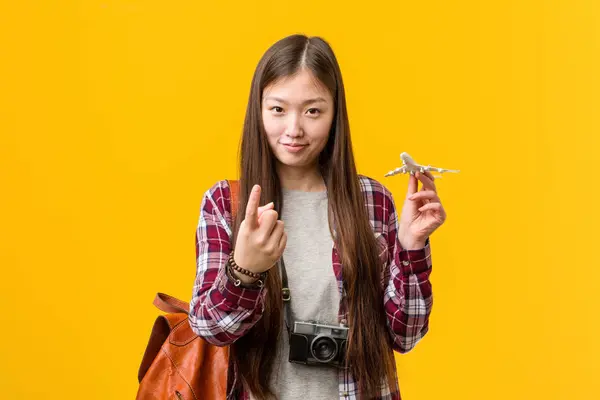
{"x":313,"y":343}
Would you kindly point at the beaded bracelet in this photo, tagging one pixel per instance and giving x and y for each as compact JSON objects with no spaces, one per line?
{"x":232,"y":265}
{"x":241,"y":270}
{"x":259,"y":283}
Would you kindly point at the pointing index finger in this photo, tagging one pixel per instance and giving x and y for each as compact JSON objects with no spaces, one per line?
{"x":252,"y":206}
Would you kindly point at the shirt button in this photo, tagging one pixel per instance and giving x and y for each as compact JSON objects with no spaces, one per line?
{"x":406,"y":263}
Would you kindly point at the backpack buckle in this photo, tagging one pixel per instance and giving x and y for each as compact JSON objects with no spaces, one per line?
{"x":285,"y":294}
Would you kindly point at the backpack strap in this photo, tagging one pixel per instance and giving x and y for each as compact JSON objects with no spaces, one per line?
{"x":234,"y":186}
{"x":170,"y":304}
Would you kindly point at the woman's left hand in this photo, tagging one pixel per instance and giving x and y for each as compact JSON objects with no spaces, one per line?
{"x":422,"y":212}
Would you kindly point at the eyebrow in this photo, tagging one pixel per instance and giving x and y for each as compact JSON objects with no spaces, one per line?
{"x":309,"y":101}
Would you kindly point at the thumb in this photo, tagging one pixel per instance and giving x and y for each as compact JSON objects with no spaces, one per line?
{"x":264,"y":208}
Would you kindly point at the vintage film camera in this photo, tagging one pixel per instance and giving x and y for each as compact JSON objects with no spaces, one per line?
{"x":312,"y":343}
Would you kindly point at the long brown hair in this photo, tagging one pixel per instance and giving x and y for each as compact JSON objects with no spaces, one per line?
{"x":368,"y":356}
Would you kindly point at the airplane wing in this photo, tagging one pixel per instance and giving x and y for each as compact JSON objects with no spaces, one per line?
{"x":401,"y":170}
{"x":440,"y":170}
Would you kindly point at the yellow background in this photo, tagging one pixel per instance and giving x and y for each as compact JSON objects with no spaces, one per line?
{"x":116,"y":116}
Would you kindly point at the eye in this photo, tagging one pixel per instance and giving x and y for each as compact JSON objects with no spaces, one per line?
{"x":314,"y":111}
{"x":277,"y":109}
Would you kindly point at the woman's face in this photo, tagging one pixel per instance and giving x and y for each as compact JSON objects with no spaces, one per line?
{"x":297,"y":113}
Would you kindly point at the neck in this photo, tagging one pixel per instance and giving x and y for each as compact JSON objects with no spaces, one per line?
{"x":303,"y":179}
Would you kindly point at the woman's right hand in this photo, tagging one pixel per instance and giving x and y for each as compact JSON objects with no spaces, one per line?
{"x":261,"y":239}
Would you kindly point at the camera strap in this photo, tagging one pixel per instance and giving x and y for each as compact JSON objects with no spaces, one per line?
{"x":286,"y":296}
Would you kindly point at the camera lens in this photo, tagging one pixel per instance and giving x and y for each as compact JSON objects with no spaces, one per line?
{"x":324,"y":348}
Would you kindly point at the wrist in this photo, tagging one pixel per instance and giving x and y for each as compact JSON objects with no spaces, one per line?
{"x":413,"y":244}
{"x":244,"y":276}
{"x":234,"y":261}
{"x":245,"y":279}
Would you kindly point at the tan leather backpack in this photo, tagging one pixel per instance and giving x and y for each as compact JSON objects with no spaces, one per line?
{"x":177,"y":363}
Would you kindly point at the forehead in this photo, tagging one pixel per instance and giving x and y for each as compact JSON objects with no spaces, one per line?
{"x":297,"y":88}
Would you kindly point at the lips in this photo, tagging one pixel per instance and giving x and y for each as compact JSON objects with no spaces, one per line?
{"x":293,"y":147}
{"x":293,"y":144}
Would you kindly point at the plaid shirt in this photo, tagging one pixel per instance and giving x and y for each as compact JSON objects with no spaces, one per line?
{"x":220,"y":312}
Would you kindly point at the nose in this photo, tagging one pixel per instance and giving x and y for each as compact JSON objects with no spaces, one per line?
{"x":293,"y":128}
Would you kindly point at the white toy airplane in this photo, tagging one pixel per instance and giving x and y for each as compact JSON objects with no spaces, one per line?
{"x":410,"y":166}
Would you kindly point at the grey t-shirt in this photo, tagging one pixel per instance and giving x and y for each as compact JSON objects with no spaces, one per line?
{"x":314,"y":293}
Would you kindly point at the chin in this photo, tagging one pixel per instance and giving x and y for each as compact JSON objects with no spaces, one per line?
{"x":288,"y":161}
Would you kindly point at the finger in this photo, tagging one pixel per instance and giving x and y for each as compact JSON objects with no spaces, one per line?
{"x":275,"y":238}
{"x":267,"y":224}
{"x":412,"y":185}
{"x":425,"y":195}
{"x":426,"y":181}
{"x":252,"y":207}
{"x":282,"y":242}
{"x":264,"y":208}
{"x":429,"y":175}
{"x":431,"y":207}
{"x":425,"y":190}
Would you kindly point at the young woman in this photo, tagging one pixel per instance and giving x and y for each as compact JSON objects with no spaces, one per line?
{"x":357,"y":273}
